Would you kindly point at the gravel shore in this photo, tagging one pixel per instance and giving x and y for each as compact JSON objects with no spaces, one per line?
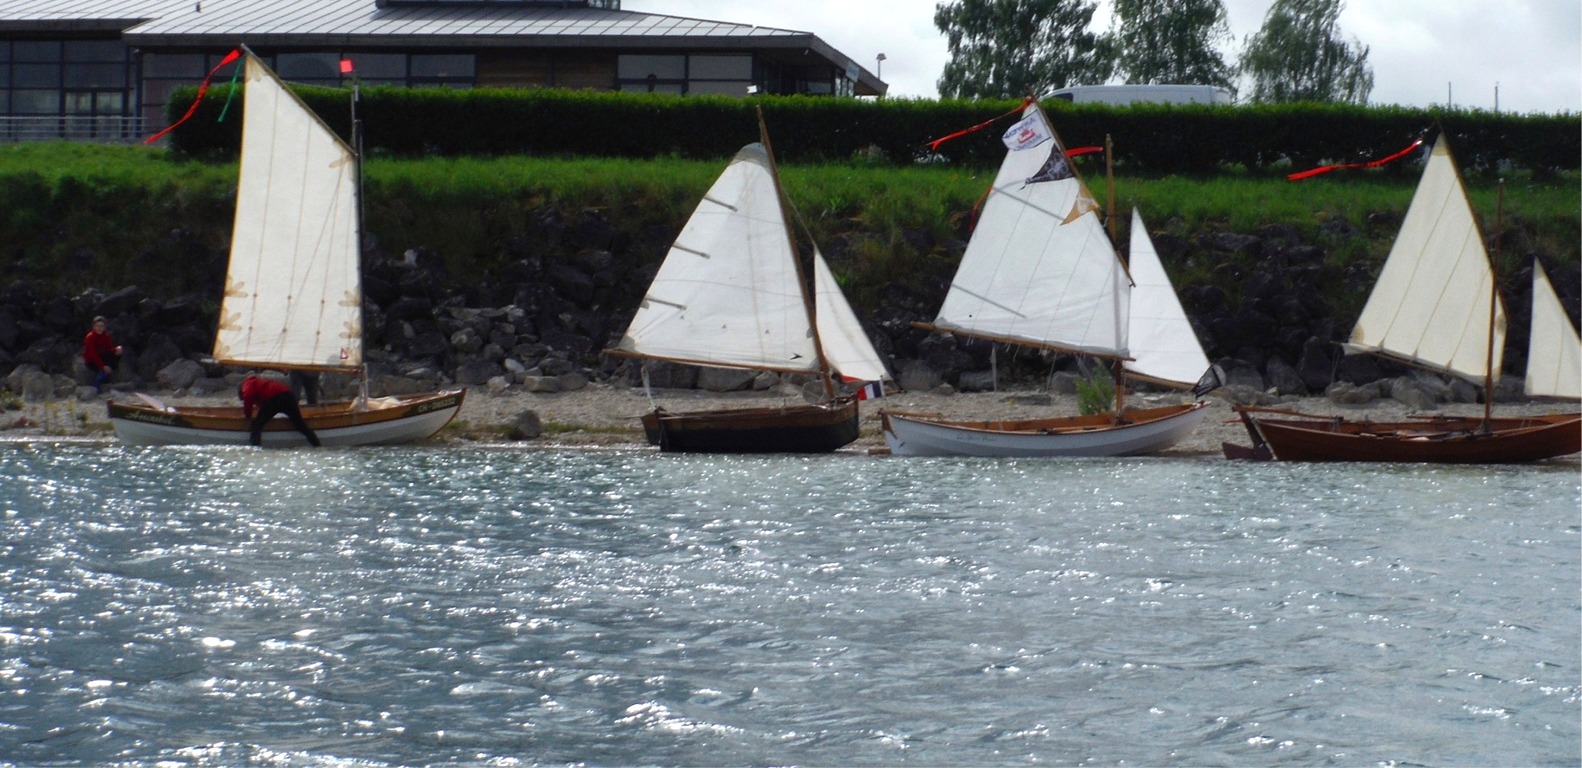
{"x":608,"y":415}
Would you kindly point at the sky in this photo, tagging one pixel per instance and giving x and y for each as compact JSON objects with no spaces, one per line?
{"x":1525,"y":53}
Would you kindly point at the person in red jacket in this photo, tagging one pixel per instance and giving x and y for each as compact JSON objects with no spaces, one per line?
{"x":100,"y":352}
{"x":263,"y":399}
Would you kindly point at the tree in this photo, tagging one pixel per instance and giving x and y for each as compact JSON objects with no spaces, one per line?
{"x":1298,"y":56}
{"x":1011,"y":48}
{"x":1171,"y":41}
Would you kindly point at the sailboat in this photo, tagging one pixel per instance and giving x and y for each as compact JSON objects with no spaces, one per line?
{"x":1040,"y":272}
{"x":733,"y":293}
{"x":293,"y":289}
{"x":1436,"y":306}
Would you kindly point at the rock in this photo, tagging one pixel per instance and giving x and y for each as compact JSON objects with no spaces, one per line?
{"x":180,"y":374}
{"x":1316,"y":366}
{"x":976,"y":381}
{"x":1347,"y":393}
{"x":918,"y":376}
{"x":477,"y":372}
{"x":1413,"y":394}
{"x":725,"y":379}
{"x":541,"y":384}
{"x":526,"y":426}
{"x":38,"y":386}
{"x":499,"y":384}
{"x":571,"y":382}
{"x":1284,"y":379}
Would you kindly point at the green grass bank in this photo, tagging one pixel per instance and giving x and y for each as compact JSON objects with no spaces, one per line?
{"x":78,"y":216}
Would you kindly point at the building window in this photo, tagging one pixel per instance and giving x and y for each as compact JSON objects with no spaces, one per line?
{"x":699,"y":73}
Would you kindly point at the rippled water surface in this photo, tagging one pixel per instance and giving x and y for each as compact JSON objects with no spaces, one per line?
{"x":504,"y":607}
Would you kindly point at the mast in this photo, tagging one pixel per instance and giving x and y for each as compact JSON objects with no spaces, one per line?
{"x":1494,"y":300}
{"x":357,"y":190}
{"x":796,"y":258}
{"x":1117,"y":366}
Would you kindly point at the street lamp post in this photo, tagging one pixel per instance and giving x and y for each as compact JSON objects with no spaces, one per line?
{"x":879,"y":69}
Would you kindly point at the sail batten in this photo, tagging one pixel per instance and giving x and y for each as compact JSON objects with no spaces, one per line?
{"x":1430,"y":304}
{"x":1554,"y":350}
{"x":293,"y":290}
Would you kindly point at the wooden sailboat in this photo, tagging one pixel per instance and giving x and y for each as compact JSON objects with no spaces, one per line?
{"x":1436,"y":305}
{"x":1040,"y":272}
{"x":293,"y":290}
{"x":733,"y":293}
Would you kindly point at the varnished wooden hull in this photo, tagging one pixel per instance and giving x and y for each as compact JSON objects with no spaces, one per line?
{"x":385,"y":421}
{"x":1438,"y":440}
{"x":789,"y":429}
{"x":1147,"y":430}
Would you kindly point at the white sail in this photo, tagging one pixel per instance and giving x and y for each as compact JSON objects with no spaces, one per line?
{"x":1039,"y":269}
{"x":728,"y":293}
{"x":1430,"y":305}
{"x":846,"y":347}
{"x":1554,"y":351}
{"x":1163,"y":344}
{"x":293,"y":294}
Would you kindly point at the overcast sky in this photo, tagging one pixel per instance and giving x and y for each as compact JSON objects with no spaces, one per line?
{"x":1422,"y":51}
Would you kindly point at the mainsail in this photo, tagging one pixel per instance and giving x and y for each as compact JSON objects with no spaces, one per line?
{"x":1164,"y":346}
{"x":727,"y":293}
{"x":293,"y":292}
{"x":1039,"y":269}
{"x":1554,"y":351}
{"x":1430,"y":305}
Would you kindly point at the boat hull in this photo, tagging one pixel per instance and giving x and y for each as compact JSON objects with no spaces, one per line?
{"x":1438,"y":440}
{"x":1147,"y":431}
{"x":385,"y":421}
{"x":791,"y":429}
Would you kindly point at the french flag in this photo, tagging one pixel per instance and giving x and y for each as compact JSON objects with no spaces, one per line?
{"x":870,"y":390}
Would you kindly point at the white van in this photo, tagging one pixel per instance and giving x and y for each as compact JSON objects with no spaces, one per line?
{"x":1132,"y":94}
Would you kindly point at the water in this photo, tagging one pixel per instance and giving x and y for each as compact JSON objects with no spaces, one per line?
{"x":442,"y":606}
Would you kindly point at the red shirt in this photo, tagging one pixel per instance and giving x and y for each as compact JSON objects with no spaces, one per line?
{"x":96,"y":347}
{"x":257,"y":389}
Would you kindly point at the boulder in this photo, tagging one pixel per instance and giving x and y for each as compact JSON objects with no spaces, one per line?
{"x":526,"y":426}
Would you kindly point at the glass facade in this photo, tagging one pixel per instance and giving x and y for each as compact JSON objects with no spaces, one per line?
{"x":66,"y":88}
{"x":698,"y":73}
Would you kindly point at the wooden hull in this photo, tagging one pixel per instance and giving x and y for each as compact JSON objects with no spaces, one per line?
{"x":385,"y":421}
{"x":1146,"y":431}
{"x":1438,"y":440}
{"x":791,"y":429}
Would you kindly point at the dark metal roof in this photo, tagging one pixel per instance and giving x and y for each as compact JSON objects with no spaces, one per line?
{"x":81,"y":15}
{"x":362,"y":23}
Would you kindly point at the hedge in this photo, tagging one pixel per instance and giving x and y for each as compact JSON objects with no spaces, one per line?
{"x":1149,"y":138}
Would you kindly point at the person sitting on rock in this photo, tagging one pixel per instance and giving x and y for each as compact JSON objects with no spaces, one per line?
{"x":263,"y":399}
{"x":100,"y":352}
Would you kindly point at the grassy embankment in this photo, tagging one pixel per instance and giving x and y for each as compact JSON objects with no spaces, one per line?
{"x":76,"y":216}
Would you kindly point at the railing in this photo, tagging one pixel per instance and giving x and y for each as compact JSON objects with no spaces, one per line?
{"x":100,"y":128}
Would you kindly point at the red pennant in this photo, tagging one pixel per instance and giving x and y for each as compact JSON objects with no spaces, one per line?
{"x":934,"y":145}
{"x":202,"y":89}
{"x":346,"y":66}
{"x":1370,"y":164}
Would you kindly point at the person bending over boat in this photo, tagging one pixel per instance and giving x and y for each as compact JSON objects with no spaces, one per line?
{"x":263,"y":399}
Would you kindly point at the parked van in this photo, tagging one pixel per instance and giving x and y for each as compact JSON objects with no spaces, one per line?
{"x":1133,"y":94}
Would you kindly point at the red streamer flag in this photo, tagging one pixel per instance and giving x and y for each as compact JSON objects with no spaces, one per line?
{"x":1370,"y":164}
{"x":934,"y":145}
{"x":346,"y":66}
{"x":202,"y":89}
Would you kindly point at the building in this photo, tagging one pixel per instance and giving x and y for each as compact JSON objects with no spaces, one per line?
{"x":104,"y":69}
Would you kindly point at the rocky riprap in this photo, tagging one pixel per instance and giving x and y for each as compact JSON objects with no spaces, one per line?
{"x":569,"y":288}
